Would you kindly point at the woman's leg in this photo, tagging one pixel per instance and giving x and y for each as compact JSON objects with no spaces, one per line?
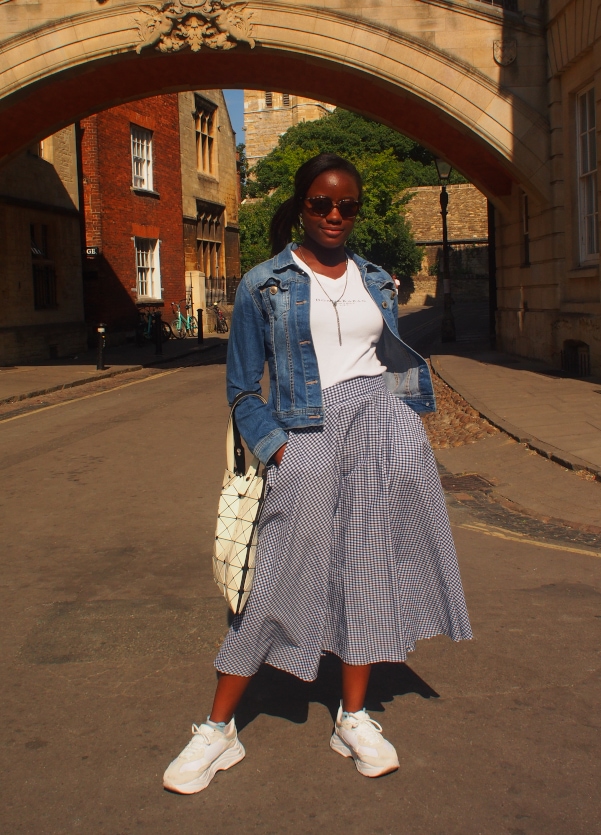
{"x":355,"y":679}
{"x":230,"y":690}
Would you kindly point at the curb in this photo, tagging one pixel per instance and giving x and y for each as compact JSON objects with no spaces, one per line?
{"x":16,"y":398}
{"x":559,"y":456}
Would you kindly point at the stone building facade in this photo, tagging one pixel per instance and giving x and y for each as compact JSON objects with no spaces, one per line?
{"x":41,"y":315}
{"x":210,"y":198}
{"x":549,"y":283}
{"x":269,"y":114}
{"x":508,"y":92}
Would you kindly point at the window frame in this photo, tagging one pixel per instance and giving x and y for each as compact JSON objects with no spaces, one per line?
{"x":205,"y":131}
{"x":210,"y":244}
{"x":587,"y":176}
{"x":142,"y":165}
{"x":148,"y":248}
{"x":43,"y":272}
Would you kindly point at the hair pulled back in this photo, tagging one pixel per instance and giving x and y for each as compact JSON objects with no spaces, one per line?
{"x":287,"y":216}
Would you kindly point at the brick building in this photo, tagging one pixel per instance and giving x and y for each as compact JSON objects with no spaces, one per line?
{"x":160,"y":206}
{"x":267,"y":115}
{"x":41,"y":315}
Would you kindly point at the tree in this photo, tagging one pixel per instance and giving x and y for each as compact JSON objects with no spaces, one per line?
{"x":389,"y":164}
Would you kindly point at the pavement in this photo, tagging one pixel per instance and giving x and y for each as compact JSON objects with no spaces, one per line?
{"x":22,"y":382}
{"x":111,"y":621}
{"x":551,"y":425}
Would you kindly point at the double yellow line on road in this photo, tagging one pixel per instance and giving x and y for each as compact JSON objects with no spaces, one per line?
{"x":511,"y":536}
{"x":88,"y":396}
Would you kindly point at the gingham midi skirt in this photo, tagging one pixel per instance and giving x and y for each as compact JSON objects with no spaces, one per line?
{"x":355,"y":554}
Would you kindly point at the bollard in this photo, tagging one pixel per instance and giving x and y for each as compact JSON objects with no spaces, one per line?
{"x":201,"y":338}
{"x":101,"y":331}
{"x":158,"y":333}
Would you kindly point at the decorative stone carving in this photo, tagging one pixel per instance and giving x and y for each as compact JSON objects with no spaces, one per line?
{"x":176,"y":24}
{"x":505,"y":51}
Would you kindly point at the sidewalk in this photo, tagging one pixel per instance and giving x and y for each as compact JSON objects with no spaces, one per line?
{"x":24,"y":381}
{"x":559,"y":417}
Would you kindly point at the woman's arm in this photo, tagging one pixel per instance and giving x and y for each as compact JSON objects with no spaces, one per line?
{"x":245,"y":367}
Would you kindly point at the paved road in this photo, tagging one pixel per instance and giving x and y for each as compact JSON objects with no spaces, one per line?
{"x":111,"y":621}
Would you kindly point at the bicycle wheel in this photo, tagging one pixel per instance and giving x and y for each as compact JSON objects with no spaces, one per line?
{"x":193,"y":326}
{"x":177,"y":328}
{"x":166,"y":332}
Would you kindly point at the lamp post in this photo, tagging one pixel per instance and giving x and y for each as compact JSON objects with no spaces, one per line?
{"x":447,"y":331}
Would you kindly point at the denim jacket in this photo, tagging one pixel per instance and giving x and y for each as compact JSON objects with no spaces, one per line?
{"x":271,"y":322}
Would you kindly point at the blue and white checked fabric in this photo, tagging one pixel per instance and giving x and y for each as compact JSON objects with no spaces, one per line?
{"x":355,"y":555}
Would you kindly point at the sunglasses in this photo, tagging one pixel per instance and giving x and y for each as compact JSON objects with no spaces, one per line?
{"x":322,"y":206}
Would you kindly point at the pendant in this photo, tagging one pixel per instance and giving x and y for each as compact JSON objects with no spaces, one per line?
{"x":334,"y":305}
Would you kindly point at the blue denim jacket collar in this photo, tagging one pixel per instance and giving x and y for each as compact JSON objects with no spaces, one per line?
{"x":284,"y":261}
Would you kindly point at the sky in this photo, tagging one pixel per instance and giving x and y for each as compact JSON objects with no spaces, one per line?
{"x":235,"y":105}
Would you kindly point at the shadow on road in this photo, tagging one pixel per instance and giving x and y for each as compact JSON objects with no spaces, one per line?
{"x":276,"y":693}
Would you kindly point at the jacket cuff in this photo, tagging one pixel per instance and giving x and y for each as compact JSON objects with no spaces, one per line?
{"x":269,"y":445}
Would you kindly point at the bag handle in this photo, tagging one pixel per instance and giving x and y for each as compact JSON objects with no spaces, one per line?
{"x":233,"y":443}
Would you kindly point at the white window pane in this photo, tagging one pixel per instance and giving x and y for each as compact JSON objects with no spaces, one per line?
{"x":141,"y":150}
{"x":147,"y":267}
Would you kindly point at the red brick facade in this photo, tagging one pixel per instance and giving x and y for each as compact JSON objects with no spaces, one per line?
{"x":115,"y":213}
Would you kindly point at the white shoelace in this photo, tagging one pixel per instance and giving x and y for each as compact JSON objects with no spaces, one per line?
{"x":368,"y":728}
{"x":200,"y":738}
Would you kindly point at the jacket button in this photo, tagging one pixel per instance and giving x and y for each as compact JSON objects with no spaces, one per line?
{"x":384,"y":304}
{"x":273,"y":290}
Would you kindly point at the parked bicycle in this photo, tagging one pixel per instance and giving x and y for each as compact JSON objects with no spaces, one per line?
{"x":221,"y":325}
{"x":183,"y":326}
{"x":145,"y":327}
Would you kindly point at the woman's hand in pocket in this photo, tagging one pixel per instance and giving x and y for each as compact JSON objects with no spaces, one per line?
{"x":277,"y":457}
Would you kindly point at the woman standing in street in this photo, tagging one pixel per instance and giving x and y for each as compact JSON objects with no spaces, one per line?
{"x":355,"y":556}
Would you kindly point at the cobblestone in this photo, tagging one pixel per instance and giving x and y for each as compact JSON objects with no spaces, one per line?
{"x":454,"y":423}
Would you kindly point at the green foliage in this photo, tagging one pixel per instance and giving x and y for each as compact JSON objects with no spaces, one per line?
{"x":254,"y":231}
{"x":389,"y":164}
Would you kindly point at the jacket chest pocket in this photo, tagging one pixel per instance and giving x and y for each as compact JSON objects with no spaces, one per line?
{"x":276,"y":300}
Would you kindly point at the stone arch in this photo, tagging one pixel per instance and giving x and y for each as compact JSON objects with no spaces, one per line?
{"x":53,"y":74}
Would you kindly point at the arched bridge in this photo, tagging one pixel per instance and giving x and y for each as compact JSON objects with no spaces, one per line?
{"x":465,"y":78}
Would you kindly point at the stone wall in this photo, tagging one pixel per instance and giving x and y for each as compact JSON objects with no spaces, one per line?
{"x":467,"y":221}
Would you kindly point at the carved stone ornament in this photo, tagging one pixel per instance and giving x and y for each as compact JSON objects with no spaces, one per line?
{"x":505,"y":52}
{"x":175,"y":25}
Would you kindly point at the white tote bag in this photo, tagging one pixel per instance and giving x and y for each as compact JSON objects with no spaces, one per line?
{"x":237,"y":517}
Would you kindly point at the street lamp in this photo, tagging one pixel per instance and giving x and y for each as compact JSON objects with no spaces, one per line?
{"x":447,"y":332}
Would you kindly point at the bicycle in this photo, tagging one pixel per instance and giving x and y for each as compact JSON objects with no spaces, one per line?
{"x":145,"y":327}
{"x":221,"y":325}
{"x":186,"y":325}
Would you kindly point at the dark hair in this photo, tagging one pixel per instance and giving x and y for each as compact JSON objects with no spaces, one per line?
{"x":287,"y":216}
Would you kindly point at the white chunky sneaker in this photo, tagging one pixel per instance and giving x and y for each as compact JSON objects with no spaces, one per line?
{"x":210,"y":750}
{"x":358,"y":736}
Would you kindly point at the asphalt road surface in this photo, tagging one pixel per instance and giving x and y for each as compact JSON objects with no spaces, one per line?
{"x":110,"y":622}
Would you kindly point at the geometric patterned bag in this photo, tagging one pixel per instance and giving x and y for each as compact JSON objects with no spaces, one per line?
{"x":237,"y":517}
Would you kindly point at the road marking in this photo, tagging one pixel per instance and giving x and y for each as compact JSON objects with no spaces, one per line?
{"x":88,"y":396}
{"x":512,"y":536}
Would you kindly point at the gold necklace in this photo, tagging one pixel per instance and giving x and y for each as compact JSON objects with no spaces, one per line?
{"x":334,"y":302}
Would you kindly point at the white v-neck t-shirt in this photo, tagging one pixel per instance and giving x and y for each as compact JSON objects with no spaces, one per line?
{"x":361,"y":326}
